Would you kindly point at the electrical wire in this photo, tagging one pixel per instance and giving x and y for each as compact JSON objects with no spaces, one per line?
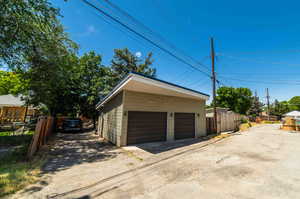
{"x":264,"y":82}
{"x":256,"y":60}
{"x":138,"y":40}
{"x":137,"y":22}
{"x":144,"y":37}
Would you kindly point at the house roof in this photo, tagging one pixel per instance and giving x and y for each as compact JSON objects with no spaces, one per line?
{"x":293,"y":114}
{"x":10,"y":100}
{"x":142,"y":83}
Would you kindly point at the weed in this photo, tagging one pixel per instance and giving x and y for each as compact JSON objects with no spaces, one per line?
{"x":15,"y":171}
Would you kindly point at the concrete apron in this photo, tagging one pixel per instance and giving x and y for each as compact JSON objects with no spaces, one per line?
{"x":151,"y":162}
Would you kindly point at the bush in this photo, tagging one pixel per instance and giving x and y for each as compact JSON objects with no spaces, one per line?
{"x":8,"y":139}
{"x":244,"y":120}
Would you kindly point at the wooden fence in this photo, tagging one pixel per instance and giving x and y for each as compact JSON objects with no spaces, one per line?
{"x":210,"y":125}
{"x":227,"y":121}
{"x":43,"y":130}
{"x":269,"y":118}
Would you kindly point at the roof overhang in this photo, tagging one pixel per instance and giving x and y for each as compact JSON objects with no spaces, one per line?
{"x":140,"y":83}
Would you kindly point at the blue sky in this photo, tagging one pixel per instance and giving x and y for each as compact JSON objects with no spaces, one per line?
{"x":257,"y":42}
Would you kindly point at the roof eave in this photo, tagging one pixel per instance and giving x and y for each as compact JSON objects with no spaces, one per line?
{"x":140,"y":77}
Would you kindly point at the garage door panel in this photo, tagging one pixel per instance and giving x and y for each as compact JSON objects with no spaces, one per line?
{"x":137,"y":134}
{"x":146,"y":127}
{"x":184,"y":125}
{"x":143,"y":127}
{"x":148,"y":137}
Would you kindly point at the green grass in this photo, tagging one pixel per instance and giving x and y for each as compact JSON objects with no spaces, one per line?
{"x":15,"y":171}
{"x":8,"y":139}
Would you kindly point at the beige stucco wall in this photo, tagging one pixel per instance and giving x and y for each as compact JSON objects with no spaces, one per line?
{"x":137,"y":101}
{"x":110,"y":119}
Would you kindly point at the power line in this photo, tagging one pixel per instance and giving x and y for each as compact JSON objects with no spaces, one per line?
{"x":256,"y":60}
{"x":259,"y":74}
{"x":140,"y":42}
{"x":263,"y":82}
{"x":178,"y":76}
{"x":137,"y":22}
{"x":143,"y":37}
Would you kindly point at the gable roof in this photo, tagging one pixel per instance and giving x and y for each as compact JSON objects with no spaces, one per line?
{"x":142,"y":83}
{"x":10,"y":100}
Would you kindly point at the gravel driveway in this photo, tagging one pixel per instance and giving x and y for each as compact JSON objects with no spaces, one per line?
{"x":261,"y":163}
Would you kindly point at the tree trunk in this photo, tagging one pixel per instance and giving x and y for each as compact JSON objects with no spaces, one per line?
{"x":53,"y":114}
{"x":94,"y":122}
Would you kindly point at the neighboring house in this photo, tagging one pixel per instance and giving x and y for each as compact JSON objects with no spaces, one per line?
{"x":142,"y":109}
{"x":12,"y":109}
{"x":293,"y":115}
{"x":291,"y":121}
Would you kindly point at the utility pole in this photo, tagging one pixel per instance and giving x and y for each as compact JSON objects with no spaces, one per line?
{"x":213,"y":77}
{"x":268,"y":104}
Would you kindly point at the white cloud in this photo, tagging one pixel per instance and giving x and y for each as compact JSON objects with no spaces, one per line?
{"x":138,"y":54}
{"x":91,"y":29}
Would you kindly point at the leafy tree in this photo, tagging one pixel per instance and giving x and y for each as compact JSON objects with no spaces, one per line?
{"x":93,"y":80}
{"x":124,"y":62}
{"x":295,"y":103}
{"x":49,"y":72}
{"x":256,"y":107}
{"x":226,"y":97}
{"x":279,"y":108}
{"x":236,"y":99}
{"x":35,"y":46}
{"x":24,"y":27}
{"x":12,"y":83}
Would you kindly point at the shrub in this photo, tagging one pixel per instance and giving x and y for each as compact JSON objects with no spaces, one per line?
{"x":244,"y":120}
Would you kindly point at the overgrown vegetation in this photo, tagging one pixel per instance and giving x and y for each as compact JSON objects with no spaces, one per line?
{"x":246,"y":126}
{"x":244,"y":120}
{"x":8,"y":138}
{"x":15,"y":171}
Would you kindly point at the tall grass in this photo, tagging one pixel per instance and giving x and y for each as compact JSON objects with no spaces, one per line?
{"x":15,"y":171}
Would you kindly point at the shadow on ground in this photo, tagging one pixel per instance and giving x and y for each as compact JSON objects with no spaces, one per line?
{"x":73,"y":149}
{"x":159,"y":147}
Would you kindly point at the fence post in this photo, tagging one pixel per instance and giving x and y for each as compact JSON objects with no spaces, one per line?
{"x":43,"y":130}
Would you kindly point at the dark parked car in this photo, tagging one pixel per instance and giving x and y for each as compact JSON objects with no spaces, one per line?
{"x":72,"y":125}
{"x":31,"y":124}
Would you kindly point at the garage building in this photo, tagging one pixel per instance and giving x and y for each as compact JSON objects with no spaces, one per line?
{"x":144,"y":109}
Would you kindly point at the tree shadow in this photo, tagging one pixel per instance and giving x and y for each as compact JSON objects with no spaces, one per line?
{"x":159,"y":147}
{"x":73,"y":149}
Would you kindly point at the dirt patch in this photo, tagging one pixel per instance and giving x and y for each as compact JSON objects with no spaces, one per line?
{"x":180,"y":172}
{"x":257,"y":157}
{"x":237,"y":172}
